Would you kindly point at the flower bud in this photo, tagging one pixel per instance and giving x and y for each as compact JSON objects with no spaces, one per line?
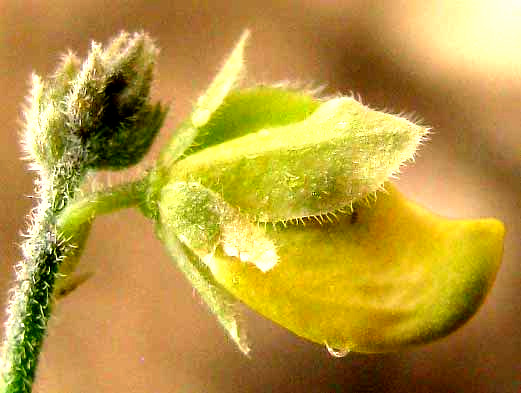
{"x":45,"y":134}
{"x":97,"y":113}
{"x":108,"y":107}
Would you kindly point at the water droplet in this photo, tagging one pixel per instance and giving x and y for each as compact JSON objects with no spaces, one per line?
{"x":337,"y":353}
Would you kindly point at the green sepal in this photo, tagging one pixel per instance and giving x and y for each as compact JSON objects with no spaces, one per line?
{"x":225,"y":80}
{"x":203,"y":221}
{"x":249,"y":110}
{"x":218,"y":300}
{"x":339,"y":154}
{"x":221,"y":85}
{"x":53,"y":132}
{"x":61,"y":83}
{"x":184,"y":137}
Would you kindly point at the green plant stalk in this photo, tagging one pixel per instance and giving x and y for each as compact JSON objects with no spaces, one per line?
{"x":86,"y":116}
{"x":31,"y":301}
{"x":85,"y":209}
{"x":51,"y":240}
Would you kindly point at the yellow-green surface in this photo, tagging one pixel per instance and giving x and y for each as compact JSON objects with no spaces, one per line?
{"x":390,"y":275}
{"x":334,"y":157}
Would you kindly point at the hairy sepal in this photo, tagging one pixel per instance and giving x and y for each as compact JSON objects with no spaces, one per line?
{"x":203,"y":221}
{"x":222,"y":84}
{"x":219,"y":301}
{"x":46,"y":134}
{"x":246,"y":111}
{"x":339,"y":154}
{"x":225,"y":80}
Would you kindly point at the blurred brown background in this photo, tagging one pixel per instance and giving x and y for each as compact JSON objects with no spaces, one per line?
{"x":137,"y":327}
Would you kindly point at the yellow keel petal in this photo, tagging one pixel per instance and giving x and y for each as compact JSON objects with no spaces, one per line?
{"x":387,"y":276}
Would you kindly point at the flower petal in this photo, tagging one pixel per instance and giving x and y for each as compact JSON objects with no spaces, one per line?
{"x":388,"y":276}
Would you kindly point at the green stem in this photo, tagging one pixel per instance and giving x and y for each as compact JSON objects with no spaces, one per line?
{"x":52,"y":238}
{"x":84,"y":210}
{"x":29,"y":311}
{"x":31,"y":301}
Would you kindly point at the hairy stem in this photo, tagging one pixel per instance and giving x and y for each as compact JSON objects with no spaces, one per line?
{"x":30,"y":309}
{"x":84,"y":210}
{"x":31,"y":301}
{"x":50,"y":240}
